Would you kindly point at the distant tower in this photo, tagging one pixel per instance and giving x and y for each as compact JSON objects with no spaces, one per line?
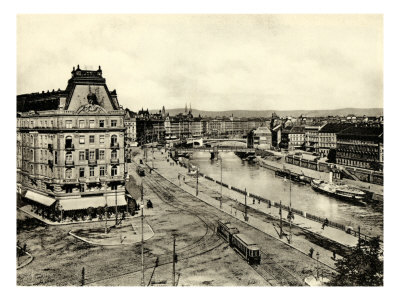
{"x":185,"y":108}
{"x":190,"y":108}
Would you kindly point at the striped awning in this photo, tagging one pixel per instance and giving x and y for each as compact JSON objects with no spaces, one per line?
{"x":39,"y":198}
{"x":120,"y":200}
{"x":82,"y":203}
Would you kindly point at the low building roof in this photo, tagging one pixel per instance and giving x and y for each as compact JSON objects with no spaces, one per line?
{"x":335,"y":127}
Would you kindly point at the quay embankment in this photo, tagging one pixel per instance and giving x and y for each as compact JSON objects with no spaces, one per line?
{"x":306,"y":233}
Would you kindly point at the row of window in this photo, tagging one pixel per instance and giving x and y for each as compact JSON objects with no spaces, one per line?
{"x":102,"y":172}
{"x":353,"y":163}
{"x":68,"y":123}
{"x":92,"y":139}
{"x":98,"y":154}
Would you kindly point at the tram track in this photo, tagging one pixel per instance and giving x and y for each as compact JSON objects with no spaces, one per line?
{"x":206,"y":243}
{"x":272,"y":272}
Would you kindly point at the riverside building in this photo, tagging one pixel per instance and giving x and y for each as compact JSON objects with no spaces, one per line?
{"x":70,"y":146}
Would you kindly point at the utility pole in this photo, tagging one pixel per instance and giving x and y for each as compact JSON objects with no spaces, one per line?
{"x":116,"y":208}
{"x":245,"y":205}
{"x":197,"y":181}
{"x":280,"y":220}
{"x":290,"y":207}
{"x":142,"y":237}
{"x":83,"y":277}
{"x":173,"y":263}
{"x":220,"y":202}
{"x":105,"y":229}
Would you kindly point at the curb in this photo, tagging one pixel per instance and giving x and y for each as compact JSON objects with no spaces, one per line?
{"x":109,"y":245}
{"x":250,"y":225}
{"x":27,"y":262}
{"x":50,"y":223}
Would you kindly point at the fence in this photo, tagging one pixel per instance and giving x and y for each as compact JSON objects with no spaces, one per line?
{"x":299,"y":212}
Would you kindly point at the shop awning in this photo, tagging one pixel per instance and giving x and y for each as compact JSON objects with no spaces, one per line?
{"x":39,"y":198}
{"x":120,"y":200}
{"x":82,"y":203}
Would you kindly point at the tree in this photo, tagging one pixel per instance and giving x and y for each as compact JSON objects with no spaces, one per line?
{"x":332,"y":156}
{"x":374,"y":165}
{"x":363,"y":267}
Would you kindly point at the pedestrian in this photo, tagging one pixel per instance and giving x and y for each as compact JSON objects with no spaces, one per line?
{"x":259,"y":201}
{"x":325,"y":223}
{"x":24,"y":248}
{"x":333,"y":255}
{"x":311,"y":252}
{"x":254,"y":201}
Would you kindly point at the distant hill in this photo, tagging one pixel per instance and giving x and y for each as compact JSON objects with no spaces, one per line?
{"x":281,"y":113}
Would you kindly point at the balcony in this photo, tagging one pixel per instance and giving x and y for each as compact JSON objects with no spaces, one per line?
{"x":114,"y":146}
{"x":114,"y":161}
{"x":92,"y":162}
{"x":115,"y":178}
{"x":69,"y":147}
{"x":69,"y":163}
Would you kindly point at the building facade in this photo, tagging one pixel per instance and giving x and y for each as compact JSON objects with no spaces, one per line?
{"x":70,"y":146}
{"x":360,"y":146}
{"x":327,"y":137}
{"x":296,"y":138}
{"x":311,"y":137}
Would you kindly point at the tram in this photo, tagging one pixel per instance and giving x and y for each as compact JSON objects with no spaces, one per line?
{"x":140,"y":171}
{"x":246,"y":248}
{"x":226,"y":230}
{"x":249,"y":250}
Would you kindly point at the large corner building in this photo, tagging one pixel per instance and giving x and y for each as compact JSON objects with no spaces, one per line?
{"x":70,"y":145}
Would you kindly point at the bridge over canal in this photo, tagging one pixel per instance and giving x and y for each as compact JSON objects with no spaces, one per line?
{"x":215,"y":150}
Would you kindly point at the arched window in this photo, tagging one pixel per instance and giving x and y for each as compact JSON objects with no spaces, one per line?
{"x":113,"y":140}
{"x":114,"y":171}
{"x":68,"y":142}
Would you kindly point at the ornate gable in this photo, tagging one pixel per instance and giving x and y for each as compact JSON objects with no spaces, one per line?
{"x":91,"y":109}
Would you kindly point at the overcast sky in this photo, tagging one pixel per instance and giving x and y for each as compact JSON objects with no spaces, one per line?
{"x":214,"y":62}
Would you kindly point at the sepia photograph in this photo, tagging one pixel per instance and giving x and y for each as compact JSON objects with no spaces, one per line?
{"x":199,"y":150}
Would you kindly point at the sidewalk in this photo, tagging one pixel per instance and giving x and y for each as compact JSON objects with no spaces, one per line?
{"x":27,"y":210}
{"x":299,"y":243}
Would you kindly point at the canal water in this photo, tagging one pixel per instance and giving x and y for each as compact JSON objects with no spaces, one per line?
{"x":262,"y":182}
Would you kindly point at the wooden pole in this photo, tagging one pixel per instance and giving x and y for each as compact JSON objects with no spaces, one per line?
{"x":116,"y":208}
{"x":173,"y":263}
{"x":280,"y":220}
{"x":290,"y":207}
{"x":220,"y":201}
{"x":142,"y":237}
{"x":83,"y":277}
{"x":245,"y":204}
{"x":197,"y":182}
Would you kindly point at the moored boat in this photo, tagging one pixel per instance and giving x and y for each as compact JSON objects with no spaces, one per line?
{"x":343,"y":192}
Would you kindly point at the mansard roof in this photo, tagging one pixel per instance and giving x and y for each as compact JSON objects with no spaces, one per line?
{"x":52,"y":100}
{"x":39,"y":101}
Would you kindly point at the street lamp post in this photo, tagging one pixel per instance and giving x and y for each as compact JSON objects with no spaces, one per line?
{"x":197,"y":181}
{"x":290,"y":207}
{"x":220,"y":202}
{"x":142,"y":242}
